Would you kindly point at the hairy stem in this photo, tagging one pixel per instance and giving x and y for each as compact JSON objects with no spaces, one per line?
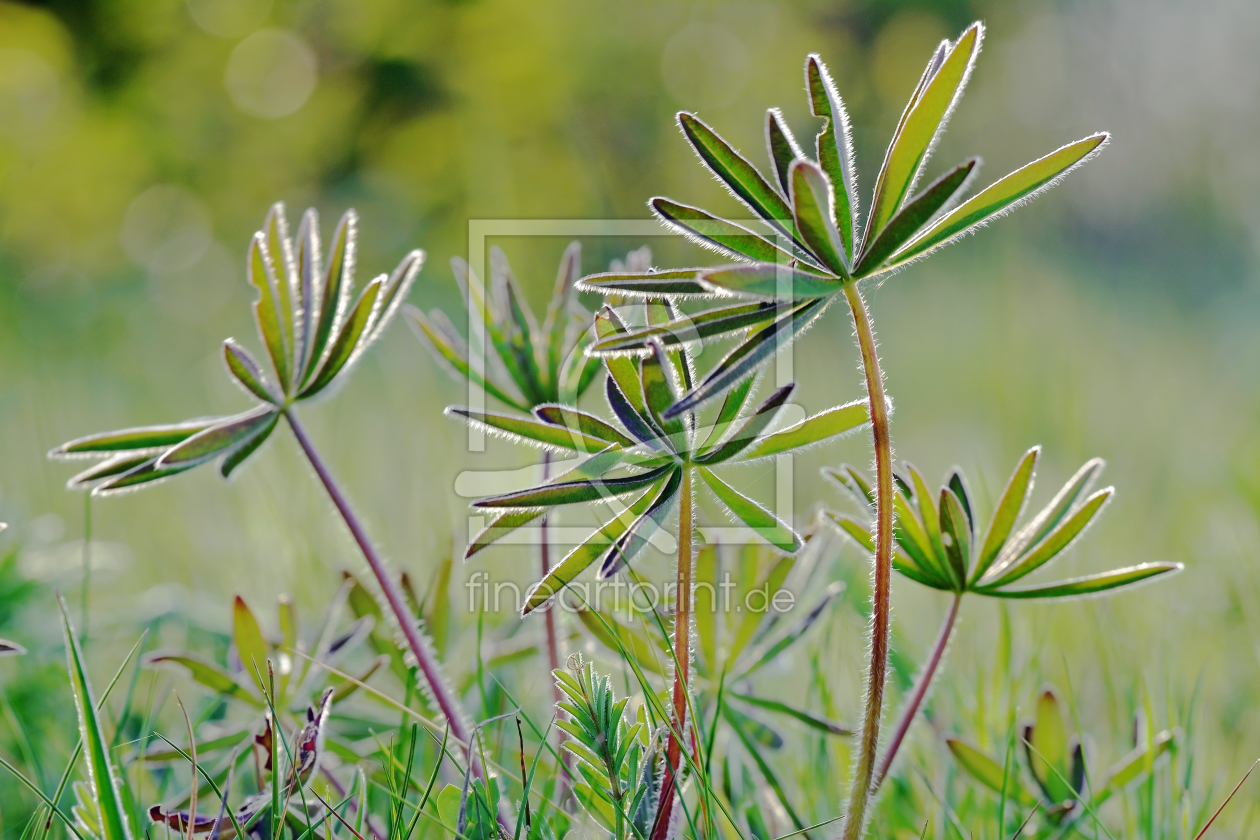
{"x":915,"y":700}
{"x":859,"y":796}
{"x":447,"y":703}
{"x":682,"y":660}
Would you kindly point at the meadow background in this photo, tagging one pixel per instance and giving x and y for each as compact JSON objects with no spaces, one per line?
{"x":141,"y":143}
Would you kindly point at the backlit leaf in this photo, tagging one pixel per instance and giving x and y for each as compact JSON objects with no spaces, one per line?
{"x":140,"y":439}
{"x":336,"y":291}
{"x":1009,"y":508}
{"x":450,"y":350}
{"x":751,"y":429}
{"x":813,"y":208}
{"x":529,"y":430}
{"x":674,"y":283}
{"x":782,"y":147}
{"x":575,"y":492}
{"x":1001,"y":197}
{"x":806,"y":717}
{"x":709,"y":324}
{"x":985,"y":770}
{"x":248,"y":373}
{"x":347,"y":347}
{"x":217,"y":439}
{"x":1057,"y":542}
{"x":1090,"y":584}
{"x":766,"y":525}
{"x":579,"y":421}
{"x":835,"y":148}
{"x":251,"y":647}
{"x":262,"y":277}
{"x":204,"y":672}
{"x":726,"y":238}
{"x":769,"y":281}
{"x":834,"y":421}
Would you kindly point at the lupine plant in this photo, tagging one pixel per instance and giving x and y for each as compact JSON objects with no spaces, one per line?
{"x":531,"y":363}
{"x":813,"y":248}
{"x":313,"y":330}
{"x":655,"y":459}
{"x":941,"y":545}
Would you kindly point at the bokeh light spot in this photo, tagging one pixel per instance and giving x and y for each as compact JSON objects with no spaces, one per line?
{"x":271,"y":74}
{"x":165,"y":229}
{"x":229,"y":18}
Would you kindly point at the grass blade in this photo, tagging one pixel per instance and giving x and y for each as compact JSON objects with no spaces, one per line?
{"x":100,"y":771}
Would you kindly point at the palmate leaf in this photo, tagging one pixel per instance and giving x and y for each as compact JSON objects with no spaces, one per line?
{"x":267,"y":316}
{"x":1090,"y":584}
{"x":827,"y":424}
{"x":782,"y":147}
{"x":218,"y":439}
{"x":678,"y":283}
{"x":101,"y":775}
{"x":575,"y":492}
{"x":248,"y":372}
{"x":921,"y":127}
{"x":530,"y":431}
{"x":444,"y":343}
{"x":814,"y":209}
{"x":1054,"y":544}
{"x":767,"y":281}
{"x":687,"y":328}
{"x":334,"y":294}
{"x":740,"y":176}
{"x":581,"y":558}
{"x":553,"y":327}
{"x":150,"y":439}
{"x":1009,"y":508}
{"x":587,"y":424}
{"x":729,"y":414}
{"x":1001,"y":197}
{"x":345,"y":346}
{"x":726,"y":238}
{"x":203,"y":671}
{"x":860,"y":533}
{"x":744,"y":360}
{"x":835,"y":148}
{"x":635,"y":539}
{"x":912,"y":217}
{"x":147,"y":473}
{"x":766,"y":525}
{"x":751,"y":429}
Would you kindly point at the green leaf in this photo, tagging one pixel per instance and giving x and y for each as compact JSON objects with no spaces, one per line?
{"x":101,"y":774}
{"x":726,"y":238}
{"x":1001,"y":197}
{"x":768,"y":281}
{"x":160,"y":756}
{"x":307,"y":266}
{"x":782,"y":147}
{"x":449,"y":349}
{"x":105,"y":469}
{"x":848,"y":478}
{"x":955,"y":525}
{"x":911,"y":218}
{"x":921,"y":128}
{"x":217,"y":439}
{"x":248,"y":373}
{"x":204,"y":672}
{"x":1052,"y":514}
{"x":1057,"y":542}
{"x":579,"y":421}
{"x":658,"y":396}
{"x":986,"y":770}
{"x":1046,"y":741}
{"x":909,"y":533}
{"x":764,"y":735}
{"x":1009,"y":507}
{"x":860,"y":532}
{"x":585,"y":554}
{"x":632,"y":420}
{"x":688,"y":328}
{"x":251,"y":647}
{"x":751,"y":429}
{"x":1090,"y":584}
{"x":728,"y":414}
{"x":766,"y":525}
{"x":280,"y":249}
{"x":757,"y":349}
{"x":621,"y":639}
{"x":141,"y":439}
{"x":148,"y":472}
{"x":248,"y":447}
{"x":529,"y":430}
{"x":262,"y":277}
{"x":337,"y":288}
{"x":808,"y":718}
{"x":740,"y":176}
{"x":1127,"y":769}
{"x":814,"y":209}
{"x":772,"y":650}
{"x":553,"y":326}
{"x":675,"y":283}
{"x":835,"y":148}
{"x":347,"y":347}
{"x":395,"y":291}
{"x":575,"y":492}
{"x":516,"y":320}
{"x":930,"y":518}
{"x":755,"y":752}
{"x":837,"y":420}
{"x":624,"y":371}
{"x":636,"y":537}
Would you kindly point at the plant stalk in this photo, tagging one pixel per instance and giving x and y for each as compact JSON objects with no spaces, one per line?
{"x":682,"y":659}
{"x":881,"y":625}
{"x":915,"y":700}
{"x":447,"y":703}
{"x":544,"y":556}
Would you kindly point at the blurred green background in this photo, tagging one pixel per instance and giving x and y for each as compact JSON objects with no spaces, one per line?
{"x":141,"y":142}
